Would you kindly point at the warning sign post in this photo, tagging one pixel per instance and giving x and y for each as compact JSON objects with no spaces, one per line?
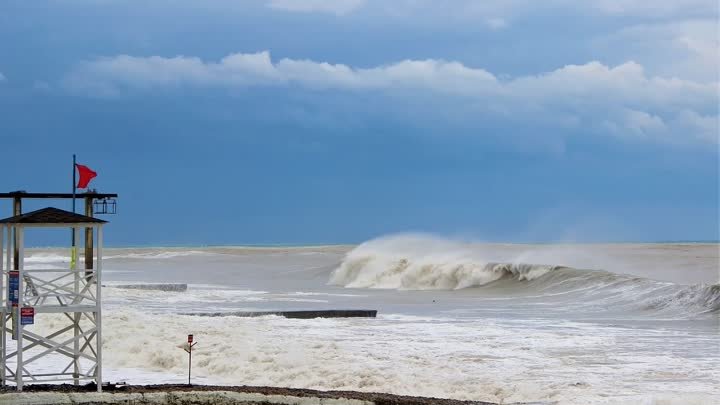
{"x":188,"y":348}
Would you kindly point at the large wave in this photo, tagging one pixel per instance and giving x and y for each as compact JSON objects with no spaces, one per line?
{"x":417,"y":262}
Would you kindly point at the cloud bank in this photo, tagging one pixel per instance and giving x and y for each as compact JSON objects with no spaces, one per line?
{"x":504,"y":8}
{"x":339,"y":7}
{"x":622,"y":99}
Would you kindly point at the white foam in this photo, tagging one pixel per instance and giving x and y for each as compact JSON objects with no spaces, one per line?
{"x":475,"y":359}
{"x":47,"y":258}
{"x":157,"y":254}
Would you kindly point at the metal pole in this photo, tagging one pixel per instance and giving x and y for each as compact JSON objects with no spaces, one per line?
{"x":10,"y":318}
{"x":88,"y":240}
{"x":11,"y":247}
{"x":17,"y":210}
{"x":73,"y":249}
{"x":8,"y":262}
{"x":190,"y":345}
{"x":76,"y":321}
{"x":19,"y":326}
{"x":3,"y":350}
{"x":73,"y":190}
{"x":98,"y":313}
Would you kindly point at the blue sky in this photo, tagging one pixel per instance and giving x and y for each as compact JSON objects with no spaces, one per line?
{"x":318,"y":121}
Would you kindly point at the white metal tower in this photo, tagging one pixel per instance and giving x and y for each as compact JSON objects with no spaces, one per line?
{"x":51,"y":318}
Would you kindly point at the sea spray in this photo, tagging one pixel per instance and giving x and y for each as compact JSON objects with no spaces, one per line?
{"x":421,"y":262}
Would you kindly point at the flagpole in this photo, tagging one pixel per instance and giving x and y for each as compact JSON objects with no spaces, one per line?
{"x":73,"y":187}
{"x":73,"y":250}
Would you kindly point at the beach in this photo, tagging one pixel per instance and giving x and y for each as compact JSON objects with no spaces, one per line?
{"x":209,"y":394}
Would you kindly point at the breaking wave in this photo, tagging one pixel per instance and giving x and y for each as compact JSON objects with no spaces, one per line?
{"x":425,"y":263}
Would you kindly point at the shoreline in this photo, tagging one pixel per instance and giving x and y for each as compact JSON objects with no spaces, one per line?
{"x":210,"y":394}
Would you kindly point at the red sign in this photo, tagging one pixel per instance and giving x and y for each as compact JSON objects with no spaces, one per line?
{"x":190,"y":338}
{"x":27,"y":315}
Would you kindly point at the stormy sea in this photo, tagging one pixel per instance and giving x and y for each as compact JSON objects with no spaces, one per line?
{"x":505,"y":323}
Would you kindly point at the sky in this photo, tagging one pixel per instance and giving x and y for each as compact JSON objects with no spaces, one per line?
{"x":336,"y":121}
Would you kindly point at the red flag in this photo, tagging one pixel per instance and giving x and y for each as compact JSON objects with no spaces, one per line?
{"x":86,"y":174}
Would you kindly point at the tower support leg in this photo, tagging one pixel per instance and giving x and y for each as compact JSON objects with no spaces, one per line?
{"x":88,"y":240}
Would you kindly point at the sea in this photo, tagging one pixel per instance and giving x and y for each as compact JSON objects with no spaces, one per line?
{"x":505,"y":323}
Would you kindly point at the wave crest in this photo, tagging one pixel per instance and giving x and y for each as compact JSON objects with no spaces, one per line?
{"x":422,"y":263}
{"x":425,"y":263}
{"x":425,"y":273}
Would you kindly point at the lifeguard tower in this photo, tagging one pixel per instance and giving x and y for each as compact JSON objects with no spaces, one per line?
{"x":51,"y":318}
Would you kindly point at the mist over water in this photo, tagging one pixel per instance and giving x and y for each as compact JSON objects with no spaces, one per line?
{"x":556,"y":324}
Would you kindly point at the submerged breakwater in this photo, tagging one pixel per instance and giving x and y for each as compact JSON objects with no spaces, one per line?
{"x":328,"y":313}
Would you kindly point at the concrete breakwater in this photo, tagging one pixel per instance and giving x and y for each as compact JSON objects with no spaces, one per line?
{"x":323,"y":313}
{"x":174,"y":287}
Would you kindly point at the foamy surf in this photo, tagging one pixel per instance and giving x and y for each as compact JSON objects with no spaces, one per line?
{"x":500,"y":361}
{"x":63,"y":256}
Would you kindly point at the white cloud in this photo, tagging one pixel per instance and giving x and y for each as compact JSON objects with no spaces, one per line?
{"x":685,"y":124}
{"x":622,"y":96}
{"x":339,"y":7}
{"x":2,"y":77}
{"x":111,"y":75}
{"x":625,"y":84}
{"x":643,"y":123}
{"x":689,"y":48}
{"x":704,"y":127}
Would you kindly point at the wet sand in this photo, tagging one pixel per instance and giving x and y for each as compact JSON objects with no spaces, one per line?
{"x":375,"y":398}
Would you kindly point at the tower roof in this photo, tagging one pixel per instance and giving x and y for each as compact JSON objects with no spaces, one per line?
{"x":51,"y":215}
